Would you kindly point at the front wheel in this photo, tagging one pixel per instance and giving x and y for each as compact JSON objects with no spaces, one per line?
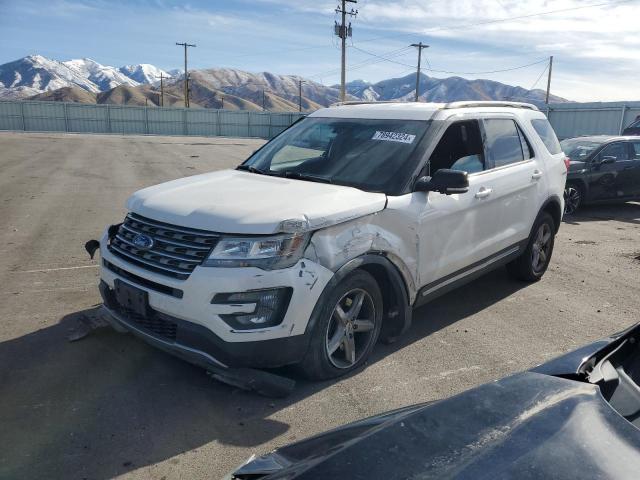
{"x":533,"y":262}
{"x":347,"y":329}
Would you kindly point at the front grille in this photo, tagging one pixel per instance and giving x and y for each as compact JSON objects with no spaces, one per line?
{"x":158,"y":287}
{"x":176,"y":251}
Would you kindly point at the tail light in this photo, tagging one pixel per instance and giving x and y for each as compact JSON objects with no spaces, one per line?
{"x":567,"y":162}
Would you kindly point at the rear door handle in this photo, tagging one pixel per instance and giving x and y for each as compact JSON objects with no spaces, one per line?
{"x":537,"y":175}
{"x":484,"y":192}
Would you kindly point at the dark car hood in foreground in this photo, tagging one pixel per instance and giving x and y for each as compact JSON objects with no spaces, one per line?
{"x":529,"y":425}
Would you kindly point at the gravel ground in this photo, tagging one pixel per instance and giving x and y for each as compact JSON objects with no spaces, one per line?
{"x":110,"y":406}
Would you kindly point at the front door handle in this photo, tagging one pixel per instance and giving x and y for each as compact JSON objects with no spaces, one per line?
{"x":484,"y":192}
{"x":537,"y":175}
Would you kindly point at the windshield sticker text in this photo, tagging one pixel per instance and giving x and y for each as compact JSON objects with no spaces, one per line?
{"x":394,"y":137}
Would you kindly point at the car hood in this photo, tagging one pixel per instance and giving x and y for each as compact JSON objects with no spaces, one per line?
{"x":528,"y":425}
{"x":232,"y":201}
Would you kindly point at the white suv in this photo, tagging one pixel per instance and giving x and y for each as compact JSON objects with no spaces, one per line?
{"x":324,"y":240}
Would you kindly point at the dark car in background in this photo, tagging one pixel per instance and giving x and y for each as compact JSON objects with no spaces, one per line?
{"x":634,"y":128}
{"x":575,"y":417}
{"x":601,"y":169}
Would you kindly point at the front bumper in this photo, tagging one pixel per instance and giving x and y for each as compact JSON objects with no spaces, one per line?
{"x":200,"y":346}
{"x":200,"y":332}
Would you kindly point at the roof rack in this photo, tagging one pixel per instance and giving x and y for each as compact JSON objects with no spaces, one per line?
{"x":490,"y":103}
{"x":363,"y":102}
{"x":450,"y":105}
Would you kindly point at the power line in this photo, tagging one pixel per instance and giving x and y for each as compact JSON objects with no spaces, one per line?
{"x":449,"y":71}
{"x":539,"y":77}
{"x":490,"y":71}
{"x":368,"y":62}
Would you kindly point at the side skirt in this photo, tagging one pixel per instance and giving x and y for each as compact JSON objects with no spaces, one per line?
{"x":467,"y":274}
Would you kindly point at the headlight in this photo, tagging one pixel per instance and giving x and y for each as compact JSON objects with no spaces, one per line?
{"x":269,"y":253}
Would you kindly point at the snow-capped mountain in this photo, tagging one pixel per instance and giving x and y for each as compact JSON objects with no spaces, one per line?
{"x":37,"y":74}
{"x":102,"y":76}
{"x":250,"y":85}
{"x":39,"y":77}
{"x":144,"y":73}
{"x":449,"y":89}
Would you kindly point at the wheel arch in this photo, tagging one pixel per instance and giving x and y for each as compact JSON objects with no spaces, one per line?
{"x":395,"y":296}
{"x":553,"y":206}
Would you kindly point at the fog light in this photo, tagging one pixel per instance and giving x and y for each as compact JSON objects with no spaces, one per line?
{"x":270,"y":307}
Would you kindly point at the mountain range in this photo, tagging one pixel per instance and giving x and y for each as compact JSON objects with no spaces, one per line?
{"x":86,"y":81}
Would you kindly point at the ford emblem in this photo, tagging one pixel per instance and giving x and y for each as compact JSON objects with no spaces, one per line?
{"x":142,"y":241}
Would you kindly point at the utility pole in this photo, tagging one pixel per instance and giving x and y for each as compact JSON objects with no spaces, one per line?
{"x":263,"y":107}
{"x":549,"y":79}
{"x":344,"y":31}
{"x":161,"y":90}
{"x":300,"y":82}
{"x":186,"y":73}
{"x":222,"y":100}
{"x":419,"y":46}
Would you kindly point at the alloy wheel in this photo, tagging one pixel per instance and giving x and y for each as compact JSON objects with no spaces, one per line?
{"x":351,"y":328}
{"x":572,"y":199}
{"x":541,"y":247}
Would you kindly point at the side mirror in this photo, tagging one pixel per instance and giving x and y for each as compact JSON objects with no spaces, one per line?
{"x":444,"y":181}
{"x":607,"y":159}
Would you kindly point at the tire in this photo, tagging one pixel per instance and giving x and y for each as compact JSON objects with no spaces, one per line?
{"x":533,"y":262}
{"x":573,"y":197}
{"x":336,"y":346}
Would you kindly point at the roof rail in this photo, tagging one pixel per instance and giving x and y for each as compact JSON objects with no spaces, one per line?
{"x":490,"y":103}
{"x":363,"y":102}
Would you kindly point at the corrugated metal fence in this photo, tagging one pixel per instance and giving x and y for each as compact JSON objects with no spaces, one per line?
{"x":568,"y":119}
{"x":598,"y":118}
{"x":74,"y":117}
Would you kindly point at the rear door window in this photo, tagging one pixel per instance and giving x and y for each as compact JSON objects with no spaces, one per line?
{"x":547,"y":135}
{"x":635,"y":150}
{"x":502,"y":142}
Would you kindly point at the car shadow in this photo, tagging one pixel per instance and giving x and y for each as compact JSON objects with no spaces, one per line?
{"x":108,"y":404}
{"x":622,"y":212}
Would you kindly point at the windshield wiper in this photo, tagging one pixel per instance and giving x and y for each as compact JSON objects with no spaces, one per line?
{"x":250,"y":168}
{"x":306,"y":176}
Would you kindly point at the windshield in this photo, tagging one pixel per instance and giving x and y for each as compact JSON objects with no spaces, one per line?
{"x":577,"y":149}
{"x":373,"y":155}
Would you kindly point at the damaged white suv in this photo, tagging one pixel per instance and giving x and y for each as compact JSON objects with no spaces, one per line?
{"x":324,"y":240}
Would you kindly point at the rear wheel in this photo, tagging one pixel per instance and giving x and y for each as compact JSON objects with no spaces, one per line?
{"x":531,"y":265}
{"x":347,"y":329}
{"x":573,"y":198}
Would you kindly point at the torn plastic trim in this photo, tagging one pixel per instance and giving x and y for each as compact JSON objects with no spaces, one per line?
{"x":261,"y":382}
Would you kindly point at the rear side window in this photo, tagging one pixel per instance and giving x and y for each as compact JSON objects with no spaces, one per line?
{"x":503,"y":142}
{"x":547,"y":135}
{"x":526,"y":146}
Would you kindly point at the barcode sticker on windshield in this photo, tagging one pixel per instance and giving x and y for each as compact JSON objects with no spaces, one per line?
{"x":394,"y":137}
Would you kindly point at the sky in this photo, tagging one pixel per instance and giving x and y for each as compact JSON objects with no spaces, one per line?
{"x":595,"y":43}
